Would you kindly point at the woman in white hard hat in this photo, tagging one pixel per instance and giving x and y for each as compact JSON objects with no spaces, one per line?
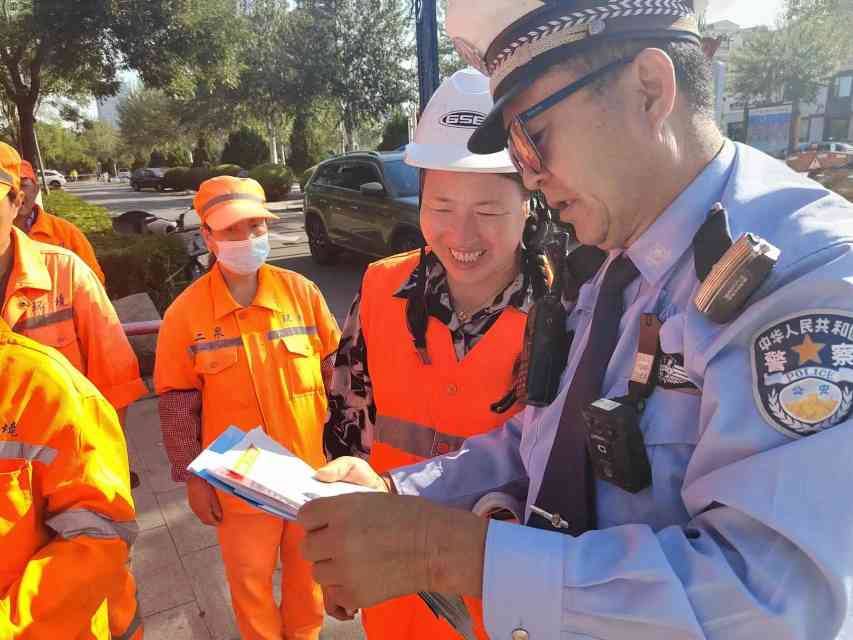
{"x":433,"y":336}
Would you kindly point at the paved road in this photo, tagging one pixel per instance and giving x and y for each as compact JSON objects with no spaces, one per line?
{"x":289,"y":243}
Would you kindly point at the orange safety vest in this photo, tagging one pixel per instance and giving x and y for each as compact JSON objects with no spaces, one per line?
{"x":66,"y":511}
{"x":55,"y":300}
{"x":255,"y":366}
{"x":427,"y":410}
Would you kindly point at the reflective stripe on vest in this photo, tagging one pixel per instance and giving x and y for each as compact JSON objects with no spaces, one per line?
{"x":31,"y":452}
{"x":215,"y":345}
{"x":46,"y":320}
{"x":291,"y":331}
{"x":413,"y":438}
{"x":81,"y":522}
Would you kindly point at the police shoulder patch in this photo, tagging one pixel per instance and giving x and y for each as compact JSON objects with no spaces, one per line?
{"x":802,"y":368}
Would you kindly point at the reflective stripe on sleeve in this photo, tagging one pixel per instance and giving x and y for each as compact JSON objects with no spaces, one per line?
{"x":43,"y":321}
{"x":82,"y":522}
{"x":291,"y":331}
{"x":413,"y":438}
{"x":31,"y":452}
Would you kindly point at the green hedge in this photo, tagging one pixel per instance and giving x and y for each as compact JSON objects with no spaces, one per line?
{"x":132,"y":264}
{"x":177,"y":179}
{"x":276,"y":180}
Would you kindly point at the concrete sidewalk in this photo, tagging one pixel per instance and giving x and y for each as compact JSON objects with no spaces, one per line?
{"x":183,"y":594}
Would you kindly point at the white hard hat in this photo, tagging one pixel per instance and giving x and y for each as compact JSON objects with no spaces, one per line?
{"x":453,"y":114}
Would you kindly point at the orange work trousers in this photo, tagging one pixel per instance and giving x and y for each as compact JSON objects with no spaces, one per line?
{"x":410,"y":618}
{"x":124,"y":614}
{"x":250,"y":544}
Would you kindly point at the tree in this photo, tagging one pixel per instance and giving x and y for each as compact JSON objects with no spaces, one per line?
{"x":358,"y":55}
{"x":796,"y":60}
{"x":101,"y":143}
{"x":396,"y":132}
{"x":149,"y":119}
{"x":56,"y":47}
{"x":449,"y":61}
{"x":245,"y":148}
{"x":50,"y":47}
{"x":756,"y":73}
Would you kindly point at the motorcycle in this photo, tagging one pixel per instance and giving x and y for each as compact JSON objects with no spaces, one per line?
{"x":139,"y":222}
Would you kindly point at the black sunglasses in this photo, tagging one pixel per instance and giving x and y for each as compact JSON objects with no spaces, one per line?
{"x":522,"y":149}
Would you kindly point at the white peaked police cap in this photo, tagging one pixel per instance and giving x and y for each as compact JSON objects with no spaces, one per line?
{"x":454,"y":112}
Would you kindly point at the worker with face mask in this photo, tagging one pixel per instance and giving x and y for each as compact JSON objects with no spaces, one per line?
{"x":246,"y":345}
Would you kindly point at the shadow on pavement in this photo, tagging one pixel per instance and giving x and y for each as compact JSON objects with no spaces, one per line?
{"x":338,"y":282}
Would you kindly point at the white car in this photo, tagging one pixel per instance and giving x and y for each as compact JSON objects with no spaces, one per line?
{"x":123,"y":175}
{"x":54,"y":179}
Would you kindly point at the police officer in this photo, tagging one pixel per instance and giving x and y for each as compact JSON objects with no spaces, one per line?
{"x":729,"y":520}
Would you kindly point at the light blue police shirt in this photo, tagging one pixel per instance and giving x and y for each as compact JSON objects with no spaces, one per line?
{"x":747,"y":529}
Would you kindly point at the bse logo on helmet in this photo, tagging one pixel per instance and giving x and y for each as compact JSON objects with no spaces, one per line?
{"x":463,"y":119}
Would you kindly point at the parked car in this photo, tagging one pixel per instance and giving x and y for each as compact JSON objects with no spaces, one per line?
{"x":838,"y":179}
{"x":365,"y":202}
{"x":820,"y":155}
{"x":148,"y":178}
{"x":123,"y":174}
{"x":54,"y":179}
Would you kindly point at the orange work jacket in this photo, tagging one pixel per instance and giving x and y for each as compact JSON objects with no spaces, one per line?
{"x":424,"y":410}
{"x":255,"y":366}
{"x":59,"y":232}
{"x":55,"y":299}
{"x":66,"y":511}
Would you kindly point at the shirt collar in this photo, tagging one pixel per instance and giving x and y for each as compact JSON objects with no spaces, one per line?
{"x":671,"y":235}
{"x":34,"y":221}
{"x":519,"y":293}
{"x":40,"y":223}
{"x":268,"y":295}
{"x":28,"y":268}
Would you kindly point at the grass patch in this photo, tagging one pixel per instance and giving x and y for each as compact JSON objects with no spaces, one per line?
{"x":89,"y":218}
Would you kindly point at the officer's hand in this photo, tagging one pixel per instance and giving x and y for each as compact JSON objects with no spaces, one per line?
{"x":203,"y":501}
{"x":370,"y":547}
{"x":353,"y":470}
{"x":337,"y":612}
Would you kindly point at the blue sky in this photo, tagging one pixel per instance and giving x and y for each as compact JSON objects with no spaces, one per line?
{"x":746,"y":13}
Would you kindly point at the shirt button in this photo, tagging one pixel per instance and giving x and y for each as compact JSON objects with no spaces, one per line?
{"x":520,"y":634}
{"x":452,"y":389}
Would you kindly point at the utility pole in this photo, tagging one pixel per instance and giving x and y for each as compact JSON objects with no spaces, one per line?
{"x":427,"y":36}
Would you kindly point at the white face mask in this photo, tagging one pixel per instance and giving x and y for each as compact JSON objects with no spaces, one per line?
{"x":243,"y":257}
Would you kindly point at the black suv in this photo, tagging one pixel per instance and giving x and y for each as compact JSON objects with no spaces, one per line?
{"x":366,"y":202}
{"x":147,"y":179}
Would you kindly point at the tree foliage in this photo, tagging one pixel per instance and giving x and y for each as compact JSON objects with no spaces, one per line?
{"x":794,"y":61}
{"x":57,"y":47}
{"x":396,"y":132}
{"x":245,"y":148}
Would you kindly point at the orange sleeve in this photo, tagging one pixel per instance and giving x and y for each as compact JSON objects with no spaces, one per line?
{"x":88,"y":506}
{"x":110,"y":361}
{"x":79,"y":244}
{"x":174,"y":368}
{"x":327,"y":326}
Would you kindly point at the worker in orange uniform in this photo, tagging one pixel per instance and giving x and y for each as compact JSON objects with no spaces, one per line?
{"x":432,"y":338}
{"x":66,"y":513}
{"x":51,"y":296}
{"x":246,"y":345}
{"x":42,"y":226}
